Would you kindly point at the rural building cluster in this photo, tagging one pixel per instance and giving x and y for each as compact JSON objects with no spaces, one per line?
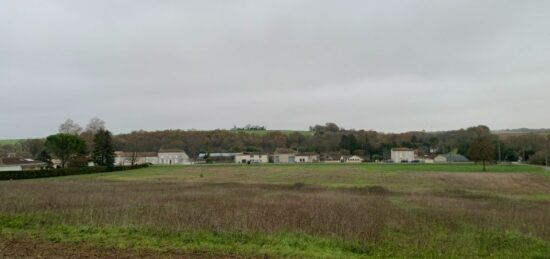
{"x":19,"y":164}
{"x":280,"y":156}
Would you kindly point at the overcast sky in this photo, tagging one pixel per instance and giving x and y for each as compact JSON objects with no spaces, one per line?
{"x":384,"y":65}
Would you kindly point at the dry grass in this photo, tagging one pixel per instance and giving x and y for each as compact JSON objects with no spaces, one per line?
{"x":352,"y":213}
{"x":401,"y":211}
{"x":211,"y":207}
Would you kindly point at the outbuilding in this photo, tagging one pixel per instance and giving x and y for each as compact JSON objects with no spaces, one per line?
{"x":284,"y":156}
{"x":402,"y":155}
{"x":20,"y":164}
{"x":306,"y":158}
{"x":172,"y":157}
{"x":251,"y":158}
{"x":451,"y":158}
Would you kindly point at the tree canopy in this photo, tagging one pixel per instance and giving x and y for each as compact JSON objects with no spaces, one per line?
{"x":482,"y":148}
{"x":104,"y":153}
{"x":70,"y":127}
{"x":65,"y":146}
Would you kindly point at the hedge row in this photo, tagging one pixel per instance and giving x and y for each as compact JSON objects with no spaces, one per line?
{"x":13,"y":175}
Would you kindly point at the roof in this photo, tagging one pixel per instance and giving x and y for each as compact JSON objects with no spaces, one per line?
{"x":455,"y":158}
{"x":429,"y":156}
{"x":201,"y":155}
{"x":401,"y":149}
{"x":307,"y":154}
{"x":249,"y":153}
{"x":137,"y":154}
{"x":18,"y":161}
{"x":171,"y":150}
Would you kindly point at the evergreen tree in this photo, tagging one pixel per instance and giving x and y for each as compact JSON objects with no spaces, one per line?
{"x":65,"y":146}
{"x":45,"y":157}
{"x":103,"y":153}
{"x":349,"y":142}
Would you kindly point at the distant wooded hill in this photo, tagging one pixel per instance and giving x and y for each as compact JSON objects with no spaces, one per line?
{"x":329,"y":140}
{"x":521,"y":131}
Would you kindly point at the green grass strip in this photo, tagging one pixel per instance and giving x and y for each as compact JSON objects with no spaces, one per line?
{"x":431,"y":242}
{"x":50,"y":228}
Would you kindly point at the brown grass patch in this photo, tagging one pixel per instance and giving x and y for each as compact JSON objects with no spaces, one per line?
{"x":510,"y":183}
{"x":30,"y":248}
{"x":212,"y":207}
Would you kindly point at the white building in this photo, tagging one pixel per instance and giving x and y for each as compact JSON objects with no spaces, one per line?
{"x":289,"y":156}
{"x":402,"y":155}
{"x":172,"y":157}
{"x":284,"y":156}
{"x":306,"y":158}
{"x":163,"y":157}
{"x":126,"y":158}
{"x":351,"y":159}
{"x":20,"y":164}
{"x":451,"y":158}
{"x":251,"y":158}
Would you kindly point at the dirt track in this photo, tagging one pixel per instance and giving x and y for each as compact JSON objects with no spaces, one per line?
{"x":40,"y":249}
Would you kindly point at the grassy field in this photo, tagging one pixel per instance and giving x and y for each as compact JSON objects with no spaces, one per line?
{"x":297,"y":211}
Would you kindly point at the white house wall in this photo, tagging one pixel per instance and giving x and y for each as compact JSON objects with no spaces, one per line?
{"x":11,"y":168}
{"x":246,"y":158}
{"x":398,"y":156}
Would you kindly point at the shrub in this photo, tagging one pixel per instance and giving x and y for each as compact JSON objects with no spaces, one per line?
{"x":14,"y":175}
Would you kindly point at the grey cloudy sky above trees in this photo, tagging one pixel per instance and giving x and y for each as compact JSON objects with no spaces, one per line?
{"x":382,"y":65}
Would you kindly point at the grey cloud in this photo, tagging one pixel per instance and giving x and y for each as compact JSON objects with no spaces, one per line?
{"x":383,"y":65}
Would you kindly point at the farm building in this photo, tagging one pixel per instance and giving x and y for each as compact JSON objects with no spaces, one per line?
{"x":451,"y":158}
{"x":172,"y":157}
{"x":405,"y":155}
{"x":251,"y":158}
{"x":306,"y":158}
{"x":284,"y":156}
{"x":129,"y":158}
{"x":20,"y":164}
{"x":163,"y":157}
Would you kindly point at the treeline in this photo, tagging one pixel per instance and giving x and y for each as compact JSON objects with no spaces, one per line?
{"x":73,"y":146}
{"x":15,"y":175}
{"x":329,"y":140}
{"x":326,"y":139}
{"x":332,"y":140}
{"x":249,"y":127}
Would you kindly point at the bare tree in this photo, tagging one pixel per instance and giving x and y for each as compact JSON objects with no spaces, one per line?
{"x":482,"y":149}
{"x":70,"y":127}
{"x":133,"y":158}
{"x":33,"y":146}
{"x":96,"y":124}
